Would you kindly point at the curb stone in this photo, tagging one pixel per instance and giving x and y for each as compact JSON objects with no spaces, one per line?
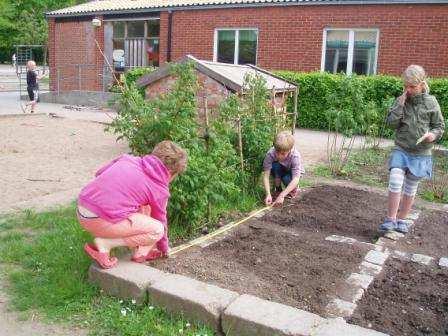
{"x":338,"y":327}
{"x":249,"y":316}
{"x":128,"y":280}
{"x":195,"y":299}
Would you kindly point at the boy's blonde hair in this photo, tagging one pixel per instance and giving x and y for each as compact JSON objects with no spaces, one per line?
{"x":30,"y":64}
{"x":414,"y":75}
{"x":172,"y":156}
{"x":284,"y":141}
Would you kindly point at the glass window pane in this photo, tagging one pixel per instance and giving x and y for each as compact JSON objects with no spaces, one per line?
{"x":118,"y":29}
{"x":152,"y":51}
{"x":153,"y":28}
{"x":364,"y":52}
{"x":136,"y":29}
{"x":226,"y":46}
{"x":247,"y":47}
{"x":336,"y":51}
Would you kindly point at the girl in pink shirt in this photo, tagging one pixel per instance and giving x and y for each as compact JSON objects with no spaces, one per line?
{"x":125,"y":205}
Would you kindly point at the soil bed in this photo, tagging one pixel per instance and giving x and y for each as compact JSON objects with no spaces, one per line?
{"x":335,"y":210}
{"x":428,"y":236}
{"x":292,"y":265}
{"x":408,"y":299}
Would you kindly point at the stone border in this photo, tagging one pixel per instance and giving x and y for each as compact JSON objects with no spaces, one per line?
{"x":228,"y":312}
{"x":344,"y":304}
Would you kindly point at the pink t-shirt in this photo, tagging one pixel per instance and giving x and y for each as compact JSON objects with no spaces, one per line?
{"x":292,"y":161}
{"x":125,"y":184}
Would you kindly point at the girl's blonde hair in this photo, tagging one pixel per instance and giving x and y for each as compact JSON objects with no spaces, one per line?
{"x":173,"y":156}
{"x":415,"y":74}
{"x":284,"y":141}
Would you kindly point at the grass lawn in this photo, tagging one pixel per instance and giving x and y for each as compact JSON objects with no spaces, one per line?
{"x":370,"y":166}
{"x":41,"y":255}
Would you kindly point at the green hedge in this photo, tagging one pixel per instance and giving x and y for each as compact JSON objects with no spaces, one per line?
{"x":317,"y":87}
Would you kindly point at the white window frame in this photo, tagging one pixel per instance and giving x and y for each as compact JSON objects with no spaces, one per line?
{"x":237,"y":43}
{"x":351,"y":46}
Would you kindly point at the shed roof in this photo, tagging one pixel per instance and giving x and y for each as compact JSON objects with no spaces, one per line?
{"x":99,"y":7}
{"x":230,"y":75}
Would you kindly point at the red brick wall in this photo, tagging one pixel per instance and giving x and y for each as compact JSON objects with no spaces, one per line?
{"x":208,"y":87}
{"x":75,"y":61}
{"x":290,"y":37}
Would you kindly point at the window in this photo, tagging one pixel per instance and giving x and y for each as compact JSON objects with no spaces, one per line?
{"x":236,"y":46}
{"x":350,"y":51}
{"x":139,"y":40}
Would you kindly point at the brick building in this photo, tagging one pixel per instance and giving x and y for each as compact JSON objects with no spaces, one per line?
{"x":216,"y":82}
{"x":351,"y":36}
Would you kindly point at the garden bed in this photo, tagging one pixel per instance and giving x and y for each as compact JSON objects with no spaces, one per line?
{"x":407,"y":299}
{"x":428,"y":236}
{"x":284,"y":256}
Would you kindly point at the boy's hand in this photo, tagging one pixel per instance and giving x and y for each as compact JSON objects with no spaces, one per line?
{"x":279,"y":201}
{"x":268,"y":200}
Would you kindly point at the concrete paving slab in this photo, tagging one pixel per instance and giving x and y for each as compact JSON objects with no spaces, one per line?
{"x":340,"y":308}
{"x":443,"y":262}
{"x":376,"y":257}
{"x":369,"y":268}
{"x":421,"y":259}
{"x":360,"y":280}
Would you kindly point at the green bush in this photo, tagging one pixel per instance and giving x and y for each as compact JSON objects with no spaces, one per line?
{"x":316,"y":88}
{"x":133,"y":75}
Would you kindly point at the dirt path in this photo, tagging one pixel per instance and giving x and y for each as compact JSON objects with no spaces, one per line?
{"x":49,"y":159}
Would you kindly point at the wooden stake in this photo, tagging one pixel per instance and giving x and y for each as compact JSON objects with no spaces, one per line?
{"x":240,"y":142}
{"x":296,"y":93}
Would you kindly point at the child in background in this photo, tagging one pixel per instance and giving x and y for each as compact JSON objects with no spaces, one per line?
{"x":32,"y":86}
{"x":418,"y":123}
{"x":282,"y":162}
{"x":125,"y":205}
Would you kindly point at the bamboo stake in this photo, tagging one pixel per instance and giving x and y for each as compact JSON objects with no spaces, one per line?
{"x":240,"y":142}
{"x":296,"y":93}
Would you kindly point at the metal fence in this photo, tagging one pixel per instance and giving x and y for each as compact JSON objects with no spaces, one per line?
{"x":86,"y":77}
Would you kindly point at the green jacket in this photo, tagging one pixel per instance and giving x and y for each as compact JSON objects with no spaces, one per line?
{"x":420,"y":114}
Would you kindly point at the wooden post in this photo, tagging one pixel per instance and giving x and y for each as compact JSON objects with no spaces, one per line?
{"x":240,"y":142}
{"x":209,"y":205}
{"x":206,"y":123}
{"x":296,"y":93}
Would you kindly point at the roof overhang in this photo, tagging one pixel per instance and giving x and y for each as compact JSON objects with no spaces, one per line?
{"x":226,"y":4}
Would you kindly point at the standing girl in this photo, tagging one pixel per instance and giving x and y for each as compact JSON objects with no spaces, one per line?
{"x":418,"y":123}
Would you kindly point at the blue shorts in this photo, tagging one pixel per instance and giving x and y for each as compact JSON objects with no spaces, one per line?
{"x":418,"y":165}
{"x":281,"y":172}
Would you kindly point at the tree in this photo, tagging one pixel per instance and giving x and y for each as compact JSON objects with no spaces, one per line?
{"x":24,"y":22}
